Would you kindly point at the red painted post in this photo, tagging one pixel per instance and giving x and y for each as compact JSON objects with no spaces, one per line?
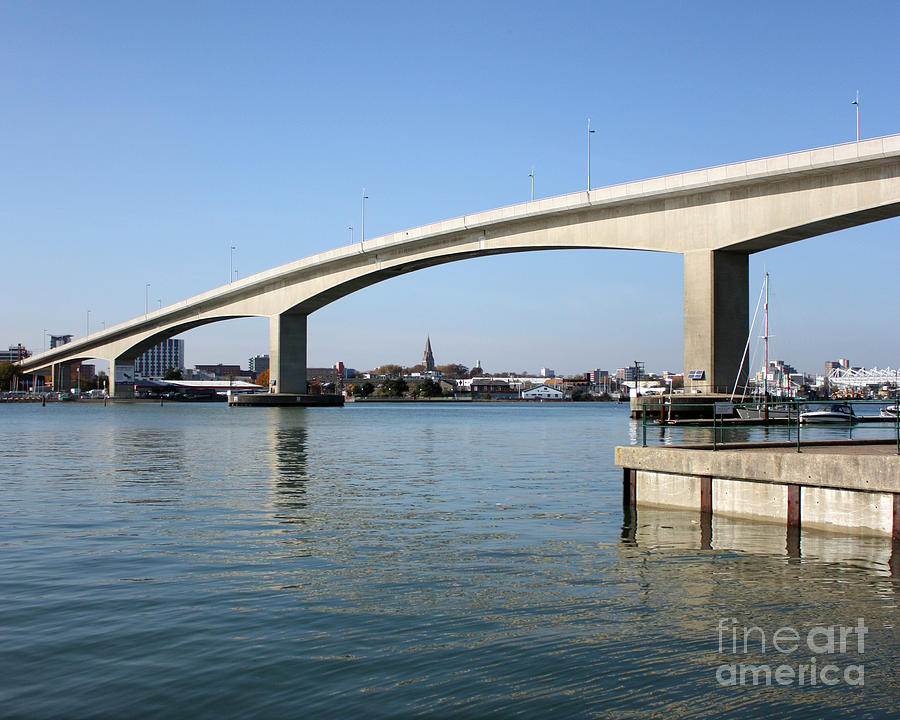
{"x":793,"y":506}
{"x":628,"y":487}
{"x":706,"y":494}
{"x":706,"y":507}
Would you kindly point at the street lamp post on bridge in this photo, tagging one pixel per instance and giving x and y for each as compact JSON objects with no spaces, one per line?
{"x":362,"y":234}
{"x":589,"y":133}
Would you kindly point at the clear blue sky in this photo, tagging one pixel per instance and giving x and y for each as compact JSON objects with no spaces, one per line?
{"x":138,"y":141}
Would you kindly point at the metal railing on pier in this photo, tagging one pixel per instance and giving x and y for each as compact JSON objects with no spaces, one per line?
{"x":801,"y":417}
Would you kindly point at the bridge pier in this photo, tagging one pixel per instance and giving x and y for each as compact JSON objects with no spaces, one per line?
{"x":716,"y":317}
{"x":121,"y":378}
{"x":287,"y":353}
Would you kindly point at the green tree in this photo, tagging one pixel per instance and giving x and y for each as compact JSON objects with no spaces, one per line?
{"x":429,"y":388}
{"x":363,"y":390}
{"x":7,"y":372}
{"x":394,"y":387}
{"x":173,"y":373}
{"x":453,"y":370}
{"x":389,"y":369}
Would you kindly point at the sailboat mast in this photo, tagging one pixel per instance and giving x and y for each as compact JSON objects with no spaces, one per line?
{"x":766,"y":366}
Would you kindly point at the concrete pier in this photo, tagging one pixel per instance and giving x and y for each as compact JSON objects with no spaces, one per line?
{"x":285,"y":400}
{"x":838,"y":486}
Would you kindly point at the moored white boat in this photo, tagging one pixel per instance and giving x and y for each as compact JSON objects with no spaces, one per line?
{"x":775,"y":412}
{"x":834,"y":413}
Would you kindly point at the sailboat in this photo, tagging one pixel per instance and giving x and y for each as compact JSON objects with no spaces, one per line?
{"x":764,"y":410}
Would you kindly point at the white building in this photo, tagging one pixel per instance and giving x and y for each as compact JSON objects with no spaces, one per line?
{"x":154,"y":363}
{"x":543,"y":392}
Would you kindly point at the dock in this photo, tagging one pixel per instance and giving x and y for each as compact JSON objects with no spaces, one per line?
{"x":847,"y":486}
{"x":284,"y":400}
{"x":747,"y":422}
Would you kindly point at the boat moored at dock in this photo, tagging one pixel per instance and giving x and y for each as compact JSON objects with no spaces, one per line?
{"x":833,"y":413}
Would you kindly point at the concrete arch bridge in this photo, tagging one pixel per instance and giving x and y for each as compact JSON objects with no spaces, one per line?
{"x":715,"y":217}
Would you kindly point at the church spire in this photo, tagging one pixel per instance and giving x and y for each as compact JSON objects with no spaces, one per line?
{"x":428,"y":357}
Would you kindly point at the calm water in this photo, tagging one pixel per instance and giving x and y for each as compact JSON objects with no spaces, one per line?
{"x":384,"y":561}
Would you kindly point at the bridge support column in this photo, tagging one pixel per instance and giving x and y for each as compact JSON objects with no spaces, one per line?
{"x":121,"y":378}
{"x":716,"y":317}
{"x":287,"y":353}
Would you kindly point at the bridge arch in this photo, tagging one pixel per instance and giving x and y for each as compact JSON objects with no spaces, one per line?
{"x":715,"y":217}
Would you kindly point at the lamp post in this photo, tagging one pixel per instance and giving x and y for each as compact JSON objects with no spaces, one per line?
{"x":231,"y":263}
{"x":88,"y":323}
{"x":589,"y":133}
{"x":362,"y":234}
{"x":856,"y":102}
{"x":350,"y":228}
{"x":531,"y":175}
{"x":45,"y":338}
{"x":147,"y":300}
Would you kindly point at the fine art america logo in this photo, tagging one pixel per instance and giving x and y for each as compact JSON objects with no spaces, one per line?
{"x":817,"y":655}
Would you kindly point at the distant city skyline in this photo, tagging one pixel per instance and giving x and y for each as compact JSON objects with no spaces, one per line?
{"x":139,"y":172}
{"x":755,"y":362}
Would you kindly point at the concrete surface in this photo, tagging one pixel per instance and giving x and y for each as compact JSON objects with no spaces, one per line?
{"x":835,"y":486}
{"x":758,"y":501}
{"x":667,"y":490}
{"x":867,"y":467}
{"x":830,"y":509}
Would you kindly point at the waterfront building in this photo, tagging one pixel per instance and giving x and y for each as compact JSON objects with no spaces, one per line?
{"x":841,"y":364}
{"x":543,"y":392}
{"x":160,"y":358}
{"x":15,"y":353}
{"x":221,"y":371}
{"x":449,"y":385}
{"x":194,"y":374}
{"x":324,"y":376}
{"x":496,"y":388}
{"x":547,"y":373}
{"x":258,"y":363}
{"x":597,"y":376}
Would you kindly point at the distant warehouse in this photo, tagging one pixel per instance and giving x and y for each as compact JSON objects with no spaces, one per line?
{"x":543,"y":392}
